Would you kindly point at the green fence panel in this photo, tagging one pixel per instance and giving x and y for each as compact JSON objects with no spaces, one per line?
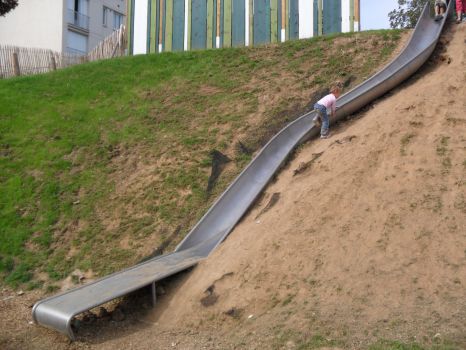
{"x":153,"y":27}
{"x":332,"y":16}
{"x":238,"y":13}
{"x":227,"y":23}
{"x":261,"y":21}
{"x":210,"y":22}
{"x":294,"y":19}
{"x":168,"y":25}
{"x":273,"y":20}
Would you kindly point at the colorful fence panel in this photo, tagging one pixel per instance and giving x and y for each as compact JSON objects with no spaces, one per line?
{"x":294,"y":19}
{"x":332,"y":16}
{"x":199,"y":24}
{"x":180,"y":25}
{"x":226,"y":23}
{"x":261,"y":21}
{"x":238,"y":14}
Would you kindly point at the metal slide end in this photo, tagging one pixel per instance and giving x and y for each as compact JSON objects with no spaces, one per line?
{"x":53,"y":319}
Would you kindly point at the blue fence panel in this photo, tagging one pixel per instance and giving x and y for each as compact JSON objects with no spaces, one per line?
{"x":199,"y":24}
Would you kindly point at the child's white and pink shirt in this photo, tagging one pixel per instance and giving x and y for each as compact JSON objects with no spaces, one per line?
{"x":329,"y":102}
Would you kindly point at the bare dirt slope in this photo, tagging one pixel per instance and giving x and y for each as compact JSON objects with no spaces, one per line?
{"x":365,"y":239}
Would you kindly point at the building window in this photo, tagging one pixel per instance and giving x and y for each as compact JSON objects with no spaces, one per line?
{"x":118,"y":19}
{"x":76,"y":43}
{"x":106,"y":12}
{"x":79,"y":6}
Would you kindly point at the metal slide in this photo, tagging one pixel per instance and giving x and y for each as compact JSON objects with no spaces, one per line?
{"x":58,"y":311}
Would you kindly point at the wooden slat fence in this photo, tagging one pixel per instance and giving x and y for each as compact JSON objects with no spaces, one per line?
{"x":112,"y":46}
{"x":16,"y":61}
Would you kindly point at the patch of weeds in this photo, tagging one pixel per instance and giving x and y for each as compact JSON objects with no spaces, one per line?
{"x":460,"y":203}
{"x":386,"y":50}
{"x":312,"y":282}
{"x":34,"y":285}
{"x":432,"y":202}
{"x":316,"y":342}
{"x":319,"y":80}
{"x":274,"y":301}
{"x":19,"y":275}
{"x":397,"y":345}
{"x":405,"y":140}
{"x":396,"y":35}
{"x":75,"y":279}
{"x":415,"y":124}
{"x":394,"y":345}
{"x":243,"y":159}
{"x":442,"y":148}
{"x":288,"y":299}
{"x":393,"y":220}
{"x":446,"y":163}
{"x":52,"y":288}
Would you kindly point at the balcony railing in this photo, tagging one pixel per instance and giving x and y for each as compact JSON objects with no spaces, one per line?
{"x":75,"y":51}
{"x":78,"y":19}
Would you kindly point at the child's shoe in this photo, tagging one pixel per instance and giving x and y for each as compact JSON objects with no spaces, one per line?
{"x":438,"y":17}
{"x":325,"y":135}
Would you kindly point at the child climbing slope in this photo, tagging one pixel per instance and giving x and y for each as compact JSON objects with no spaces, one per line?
{"x":329,"y":103}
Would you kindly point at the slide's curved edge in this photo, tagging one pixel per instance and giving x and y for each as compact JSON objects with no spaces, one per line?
{"x":57,"y":312}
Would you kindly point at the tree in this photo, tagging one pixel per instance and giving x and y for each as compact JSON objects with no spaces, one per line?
{"x":407,"y":14}
{"x":7,"y":5}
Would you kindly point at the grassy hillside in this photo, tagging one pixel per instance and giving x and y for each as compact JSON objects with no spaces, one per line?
{"x":101,"y":164}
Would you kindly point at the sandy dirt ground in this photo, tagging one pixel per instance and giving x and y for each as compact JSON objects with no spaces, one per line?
{"x":361,"y":237}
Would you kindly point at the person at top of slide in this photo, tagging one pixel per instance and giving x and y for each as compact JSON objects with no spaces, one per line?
{"x":460,"y":9}
{"x":440,"y":8}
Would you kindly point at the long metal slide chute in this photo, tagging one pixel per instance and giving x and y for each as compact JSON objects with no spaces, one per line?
{"x":57,"y":312}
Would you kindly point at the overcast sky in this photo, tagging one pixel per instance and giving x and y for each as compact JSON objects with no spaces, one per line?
{"x":374,"y":13}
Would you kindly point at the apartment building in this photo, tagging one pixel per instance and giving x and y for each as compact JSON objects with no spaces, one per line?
{"x":75,"y":26}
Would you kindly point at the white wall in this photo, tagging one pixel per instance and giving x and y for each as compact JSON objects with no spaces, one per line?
{"x":34,"y":23}
{"x":306,"y":19}
{"x":345,"y":16}
{"x":140,"y":27}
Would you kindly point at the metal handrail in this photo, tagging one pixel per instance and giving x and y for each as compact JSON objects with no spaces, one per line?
{"x":78,"y":19}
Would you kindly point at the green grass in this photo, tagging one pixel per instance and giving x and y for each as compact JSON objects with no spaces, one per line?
{"x":397,"y":345}
{"x":65,"y":136}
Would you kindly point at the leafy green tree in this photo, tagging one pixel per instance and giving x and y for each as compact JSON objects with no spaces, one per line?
{"x":7,"y":5}
{"x":407,"y":14}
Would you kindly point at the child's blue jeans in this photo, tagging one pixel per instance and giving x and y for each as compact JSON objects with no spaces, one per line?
{"x":322,"y":110}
